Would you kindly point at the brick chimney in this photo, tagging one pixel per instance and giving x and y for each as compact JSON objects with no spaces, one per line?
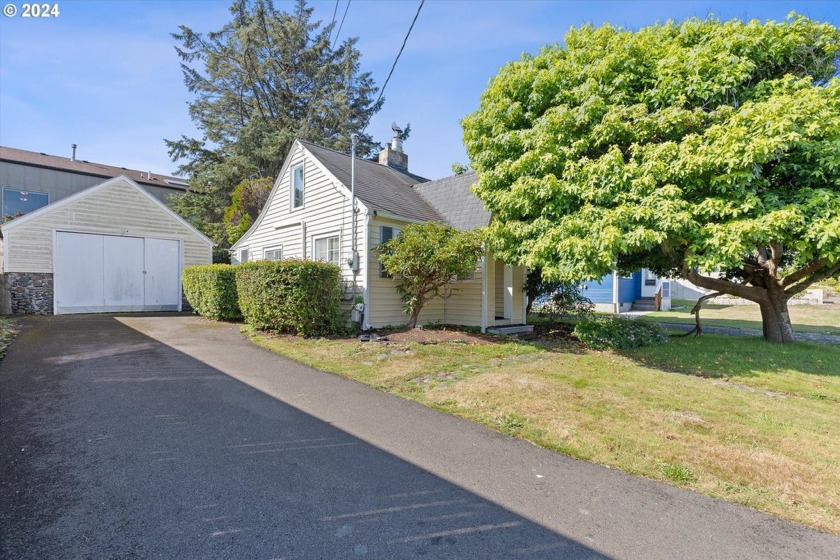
{"x":393,"y":155}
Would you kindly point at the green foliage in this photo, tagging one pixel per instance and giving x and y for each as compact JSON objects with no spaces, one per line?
{"x":8,"y":330}
{"x":247,"y":200}
{"x":426,"y":258}
{"x":264,"y":79}
{"x":702,"y":144}
{"x":293,"y":296}
{"x":565,"y":300}
{"x":211,"y":291}
{"x":617,"y":333}
{"x":553,"y":297}
{"x":459,"y":168}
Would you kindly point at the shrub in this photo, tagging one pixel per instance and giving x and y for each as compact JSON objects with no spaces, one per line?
{"x":211,"y":291}
{"x":293,"y":296}
{"x":618,"y":333}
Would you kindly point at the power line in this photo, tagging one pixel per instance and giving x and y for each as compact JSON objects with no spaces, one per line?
{"x":382,"y":91}
{"x":335,"y":10}
{"x":342,"y":22}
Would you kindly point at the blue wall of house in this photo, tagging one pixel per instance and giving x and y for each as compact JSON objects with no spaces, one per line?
{"x":601,"y":291}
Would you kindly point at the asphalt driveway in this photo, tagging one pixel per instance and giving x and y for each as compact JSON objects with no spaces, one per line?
{"x":174,"y":437}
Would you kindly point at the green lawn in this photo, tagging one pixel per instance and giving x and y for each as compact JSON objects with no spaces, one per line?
{"x":737,"y":418}
{"x":824,"y":319}
{"x":8,"y":330}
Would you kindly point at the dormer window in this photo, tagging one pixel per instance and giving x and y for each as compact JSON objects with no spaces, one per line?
{"x":297,"y":186}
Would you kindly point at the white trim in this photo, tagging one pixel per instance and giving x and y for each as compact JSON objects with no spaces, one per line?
{"x":366,"y":291}
{"x":396,"y":217}
{"x":273,"y":248}
{"x":484,"y":292}
{"x":302,"y":166}
{"x":94,"y":190}
{"x":508,"y":296}
{"x":317,"y":237}
{"x":615,"y":292}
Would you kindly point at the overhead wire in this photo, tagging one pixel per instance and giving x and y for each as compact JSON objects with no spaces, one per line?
{"x":394,"y":65}
{"x":332,"y":24}
{"x":342,"y":22}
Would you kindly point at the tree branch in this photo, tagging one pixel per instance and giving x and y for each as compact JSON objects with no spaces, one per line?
{"x":807,"y":282}
{"x":698,"y":329}
{"x":718,"y":284}
{"x":803,"y":272}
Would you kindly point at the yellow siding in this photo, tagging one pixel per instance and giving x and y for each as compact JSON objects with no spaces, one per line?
{"x":325,"y":212}
{"x":386,"y":308}
{"x":118,"y":209}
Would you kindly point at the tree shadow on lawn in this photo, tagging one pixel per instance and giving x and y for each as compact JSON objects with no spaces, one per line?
{"x":732,"y":356}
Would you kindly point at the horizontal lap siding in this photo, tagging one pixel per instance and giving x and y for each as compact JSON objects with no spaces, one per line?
{"x":117,"y":210}
{"x":325,"y":212}
{"x":386,"y":307}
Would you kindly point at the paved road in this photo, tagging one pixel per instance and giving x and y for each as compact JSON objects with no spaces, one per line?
{"x":173,"y":437}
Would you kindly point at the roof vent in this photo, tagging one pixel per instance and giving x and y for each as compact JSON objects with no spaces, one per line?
{"x":73,"y":155}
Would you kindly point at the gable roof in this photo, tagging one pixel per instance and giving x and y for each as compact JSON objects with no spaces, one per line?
{"x":379,"y":187}
{"x":46,"y":161}
{"x":455,"y":202}
{"x":90,"y":191}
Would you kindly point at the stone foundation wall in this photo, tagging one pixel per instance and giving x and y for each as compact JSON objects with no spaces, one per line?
{"x":29,"y":293}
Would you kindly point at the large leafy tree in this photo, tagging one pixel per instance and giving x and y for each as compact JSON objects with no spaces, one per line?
{"x":425,"y":259}
{"x":263,"y":80}
{"x":684,"y":147}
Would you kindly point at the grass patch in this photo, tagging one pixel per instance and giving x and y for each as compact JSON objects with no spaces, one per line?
{"x":736,"y":418}
{"x":823,"y":319}
{"x":8,"y":330}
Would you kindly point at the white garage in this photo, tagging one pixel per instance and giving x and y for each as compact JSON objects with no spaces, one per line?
{"x":110,"y":248}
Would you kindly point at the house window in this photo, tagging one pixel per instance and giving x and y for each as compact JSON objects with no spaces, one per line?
{"x":17,"y":202}
{"x":274,"y":254}
{"x":243,"y":255}
{"x":386,"y":233}
{"x":297,"y":186}
{"x":327,"y":249}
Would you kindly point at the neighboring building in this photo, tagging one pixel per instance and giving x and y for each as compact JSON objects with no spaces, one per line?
{"x":641,"y":291}
{"x":308,"y":215}
{"x":31,"y":180}
{"x":112,"y":247}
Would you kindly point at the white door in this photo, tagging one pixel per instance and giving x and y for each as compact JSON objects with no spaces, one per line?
{"x":96,"y":273}
{"x":77,"y":267}
{"x":649,"y":283}
{"x":123,"y":272}
{"x":163,"y":274}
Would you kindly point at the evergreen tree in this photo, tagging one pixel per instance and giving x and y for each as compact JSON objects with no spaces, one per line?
{"x":263,"y":80}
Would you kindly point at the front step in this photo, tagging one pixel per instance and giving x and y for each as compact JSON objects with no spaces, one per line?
{"x":644,"y":304}
{"x":514,"y":329}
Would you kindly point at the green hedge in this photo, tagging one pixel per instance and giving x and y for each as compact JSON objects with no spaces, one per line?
{"x":211,"y":291}
{"x":294,"y":296}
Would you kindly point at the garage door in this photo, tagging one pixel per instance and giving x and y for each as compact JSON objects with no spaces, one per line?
{"x":100,"y":273}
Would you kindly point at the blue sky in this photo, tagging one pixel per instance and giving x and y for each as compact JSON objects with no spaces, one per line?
{"x":104,"y":74}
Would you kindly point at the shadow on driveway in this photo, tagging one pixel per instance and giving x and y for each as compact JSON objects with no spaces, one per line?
{"x":113,"y":444}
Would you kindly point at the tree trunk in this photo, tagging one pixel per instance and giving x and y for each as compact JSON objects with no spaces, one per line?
{"x":775,"y":317}
{"x":412,"y":319}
